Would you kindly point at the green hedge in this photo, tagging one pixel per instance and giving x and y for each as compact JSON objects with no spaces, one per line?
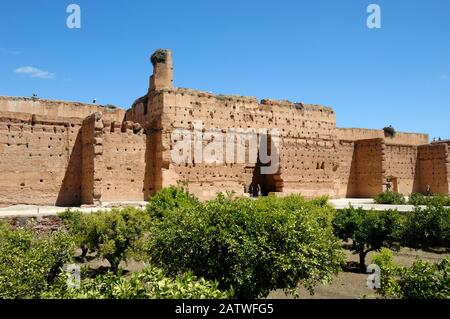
{"x":390,"y":198}
{"x":115,"y":235}
{"x":435,"y":200}
{"x":169,"y":199}
{"x":251,"y":246}
{"x":29,"y":263}
{"x":150,"y":283}
{"x":427,"y":227}
{"x":422,"y":280}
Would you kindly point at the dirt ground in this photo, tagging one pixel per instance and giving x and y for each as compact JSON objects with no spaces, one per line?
{"x":346,"y":285}
{"x":351,"y":285}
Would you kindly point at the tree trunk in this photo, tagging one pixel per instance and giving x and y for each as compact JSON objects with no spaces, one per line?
{"x":84,"y":251}
{"x":362,"y":262}
{"x":114,"y":264}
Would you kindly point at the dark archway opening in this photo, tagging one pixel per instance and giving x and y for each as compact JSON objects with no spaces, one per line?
{"x":264,"y":184}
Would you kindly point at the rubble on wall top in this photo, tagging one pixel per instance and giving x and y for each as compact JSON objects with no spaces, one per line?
{"x":19,"y":117}
{"x":247,"y":99}
{"x":199,"y":93}
{"x":108,"y":107}
{"x":141,"y":99}
{"x":446,"y":141}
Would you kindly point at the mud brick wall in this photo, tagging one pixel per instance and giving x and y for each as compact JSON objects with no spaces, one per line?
{"x":89,"y":154}
{"x":354,"y":134}
{"x":448,"y":168}
{"x":113,"y":160}
{"x":68,"y":153}
{"x":58,"y":109}
{"x":402,"y":166}
{"x":308,"y":150}
{"x":346,"y":179}
{"x":369,"y":167}
{"x":123,"y":162}
{"x":139,"y":111}
{"x":40,"y":158}
{"x":434,"y":168}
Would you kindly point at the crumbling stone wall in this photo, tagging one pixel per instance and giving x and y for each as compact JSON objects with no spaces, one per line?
{"x":434,"y":168}
{"x":57,"y":109}
{"x":113,"y":160}
{"x":316,"y":158}
{"x":42,"y":158}
{"x":308,"y":150}
{"x":355,"y":134}
{"x":91,"y":153}
{"x":370,"y":167}
{"x":139,"y":111}
{"x":401,"y":166}
{"x":39,"y":159}
{"x":346,"y":178}
{"x":123,"y":165}
{"x":65,"y":153}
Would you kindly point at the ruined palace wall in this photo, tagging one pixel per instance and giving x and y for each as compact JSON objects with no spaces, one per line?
{"x":401,"y":164}
{"x":139,"y":111}
{"x":346,"y":180}
{"x":39,"y":159}
{"x":123,"y":162}
{"x":58,"y":109}
{"x":434,"y":167}
{"x":369,"y":169}
{"x":354,"y":134}
{"x":88,"y":159}
{"x":448,"y":168}
{"x":308,"y":150}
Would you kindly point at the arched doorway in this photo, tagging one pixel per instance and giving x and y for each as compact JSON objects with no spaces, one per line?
{"x":264,"y":184}
{"x":392,"y":184}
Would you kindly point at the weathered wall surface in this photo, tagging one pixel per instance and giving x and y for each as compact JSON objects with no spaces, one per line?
{"x":90,"y":154}
{"x":434,"y":168}
{"x":57,"y":109}
{"x":40,"y":158}
{"x":139,"y":111}
{"x":315,"y":157}
{"x":123,"y":162}
{"x":308,"y":152}
{"x":113,"y":160}
{"x":66,"y":153}
{"x":346,"y":179}
{"x":370,"y":167}
{"x":402,"y":167}
{"x":354,"y":134}
{"x":448,"y":168}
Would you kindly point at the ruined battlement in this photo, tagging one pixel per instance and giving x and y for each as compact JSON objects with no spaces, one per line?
{"x":248,"y":101}
{"x":70,"y":153}
{"x":354,"y":134}
{"x":54,"y":108}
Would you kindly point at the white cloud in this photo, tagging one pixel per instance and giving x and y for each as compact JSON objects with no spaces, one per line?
{"x":444,"y":77}
{"x":34,"y":72}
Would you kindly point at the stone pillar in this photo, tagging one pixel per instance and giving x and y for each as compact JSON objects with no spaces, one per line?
{"x":92,"y":152}
{"x":162,"y":77}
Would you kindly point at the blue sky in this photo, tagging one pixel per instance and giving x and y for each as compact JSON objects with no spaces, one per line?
{"x":313,"y":51}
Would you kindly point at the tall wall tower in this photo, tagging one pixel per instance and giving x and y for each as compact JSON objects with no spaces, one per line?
{"x":162,"y":77}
